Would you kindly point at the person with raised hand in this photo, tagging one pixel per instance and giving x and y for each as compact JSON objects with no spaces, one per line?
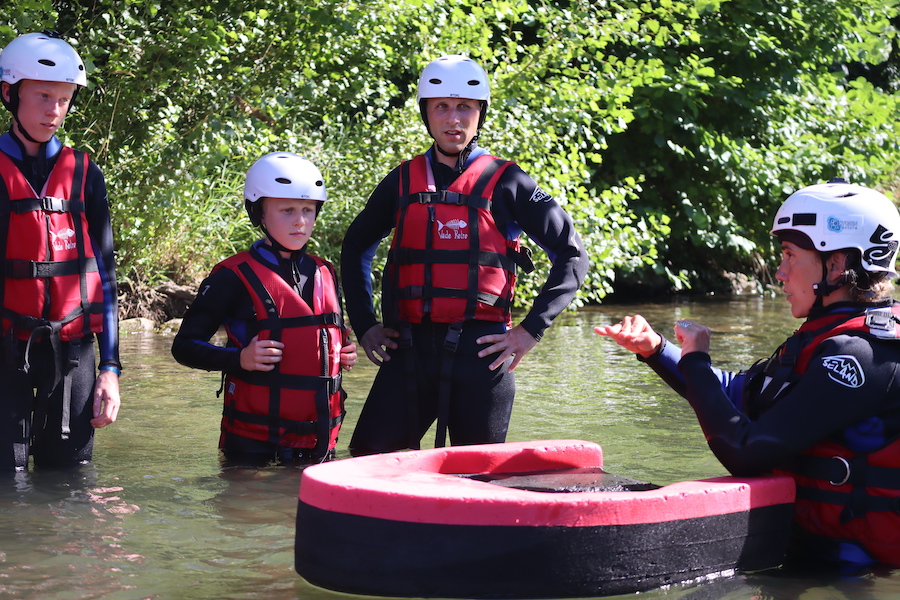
{"x":824,"y":408}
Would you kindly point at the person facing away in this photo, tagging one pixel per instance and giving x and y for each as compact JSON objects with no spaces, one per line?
{"x":446,"y":346}
{"x":825,"y":407}
{"x":281,"y":309}
{"x":58,"y":278}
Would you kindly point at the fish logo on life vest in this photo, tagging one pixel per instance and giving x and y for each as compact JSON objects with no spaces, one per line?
{"x":61,"y":239}
{"x":844,"y":369}
{"x":454,"y":229}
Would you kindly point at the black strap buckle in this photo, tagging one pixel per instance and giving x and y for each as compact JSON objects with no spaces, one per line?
{"x":451,"y":342}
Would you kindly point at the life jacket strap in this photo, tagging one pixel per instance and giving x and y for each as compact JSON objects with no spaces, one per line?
{"x":838,"y":470}
{"x":445,"y":383}
{"x":446,"y":197}
{"x":48,"y":204}
{"x":323,"y":320}
{"x":418,"y":256}
{"x":417,"y":292}
{"x":278,"y":380}
{"x":37,"y":269}
{"x":289,"y":426}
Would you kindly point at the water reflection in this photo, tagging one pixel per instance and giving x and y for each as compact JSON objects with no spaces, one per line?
{"x":156,"y":515}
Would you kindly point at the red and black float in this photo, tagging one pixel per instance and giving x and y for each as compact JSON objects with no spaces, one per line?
{"x":483,"y":522}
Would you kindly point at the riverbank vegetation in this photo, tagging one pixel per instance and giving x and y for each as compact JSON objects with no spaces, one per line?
{"x":669,"y":129}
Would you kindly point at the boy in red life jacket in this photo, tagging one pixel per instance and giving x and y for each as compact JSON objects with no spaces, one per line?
{"x":825,"y":407}
{"x":281,"y":310}
{"x":446,"y":345}
{"x":58,"y":277}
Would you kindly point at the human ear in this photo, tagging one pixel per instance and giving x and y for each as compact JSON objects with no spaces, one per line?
{"x":836,"y":266}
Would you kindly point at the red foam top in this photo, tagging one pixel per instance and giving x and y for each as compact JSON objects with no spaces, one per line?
{"x":422,"y":487}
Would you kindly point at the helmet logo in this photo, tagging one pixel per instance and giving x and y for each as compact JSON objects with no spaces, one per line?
{"x":881,"y":255}
{"x":837,"y":225}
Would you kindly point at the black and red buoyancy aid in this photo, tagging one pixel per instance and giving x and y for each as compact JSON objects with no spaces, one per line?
{"x":848,"y":486}
{"x":448,"y":257}
{"x":50,"y":280}
{"x":300,"y":403}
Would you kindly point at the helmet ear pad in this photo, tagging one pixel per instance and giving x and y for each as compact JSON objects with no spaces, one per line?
{"x":11,"y":104}
{"x":254,"y":211}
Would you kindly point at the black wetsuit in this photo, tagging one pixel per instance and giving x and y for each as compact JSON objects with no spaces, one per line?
{"x":481,"y":400}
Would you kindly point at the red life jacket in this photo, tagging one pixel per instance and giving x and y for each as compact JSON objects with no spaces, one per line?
{"x":51,"y":283}
{"x":300,"y":403}
{"x":448,"y":258}
{"x":848,"y":493}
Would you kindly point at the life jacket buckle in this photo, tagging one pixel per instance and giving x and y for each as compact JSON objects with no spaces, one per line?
{"x":51,"y":204}
{"x":881,"y":320}
{"x":426,"y":197}
{"x":451,"y":342}
{"x":846,"y":478}
{"x":448,"y":197}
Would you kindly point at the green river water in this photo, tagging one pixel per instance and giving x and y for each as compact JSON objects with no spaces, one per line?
{"x":155,"y":516}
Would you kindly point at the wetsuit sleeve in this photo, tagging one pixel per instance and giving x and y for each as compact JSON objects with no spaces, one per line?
{"x":100,"y":228}
{"x":361,"y":241}
{"x":537,"y":214}
{"x":843,"y":385}
{"x":665,"y":364}
{"x":220,"y":298}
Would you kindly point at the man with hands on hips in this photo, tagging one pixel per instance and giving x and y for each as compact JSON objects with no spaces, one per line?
{"x":445,"y":345}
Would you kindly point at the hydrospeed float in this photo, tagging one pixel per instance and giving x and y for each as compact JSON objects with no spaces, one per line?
{"x":526,"y":520}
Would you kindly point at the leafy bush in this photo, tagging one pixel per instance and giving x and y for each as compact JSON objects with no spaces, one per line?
{"x":670,"y":130}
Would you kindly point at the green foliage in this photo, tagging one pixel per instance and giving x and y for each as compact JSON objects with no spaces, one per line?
{"x":669,"y":129}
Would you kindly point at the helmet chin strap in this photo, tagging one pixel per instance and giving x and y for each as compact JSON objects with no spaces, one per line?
{"x":823,"y":288}
{"x":462,"y":156}
{"x":24,"y":131}
{"x":278,"y":247}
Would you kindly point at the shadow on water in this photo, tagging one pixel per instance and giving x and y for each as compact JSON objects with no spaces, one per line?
{"x":157,"y":516}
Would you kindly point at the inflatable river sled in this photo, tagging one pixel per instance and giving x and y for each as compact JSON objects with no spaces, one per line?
{"x":526,"y":520}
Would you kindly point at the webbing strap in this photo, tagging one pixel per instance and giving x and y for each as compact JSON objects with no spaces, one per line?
{"x":50,"y":204}
{"x":36,"y":269}
{"x":412,"y":256}
{"x":445,"y":383}
{"x":405,"y":343}
{"x":273,"y":419}
{"x":293,"y":427}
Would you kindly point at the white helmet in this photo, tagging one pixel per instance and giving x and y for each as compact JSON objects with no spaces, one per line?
{"x":839,"y":215}
{"x":43,"y":57}
{"x":454,"y":76}
{"x":281,"y":175}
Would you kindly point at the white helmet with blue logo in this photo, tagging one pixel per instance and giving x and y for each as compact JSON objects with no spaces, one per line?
{"x":838,"y":215}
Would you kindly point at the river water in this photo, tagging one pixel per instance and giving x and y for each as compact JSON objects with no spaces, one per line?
{"x":157,"y":516}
